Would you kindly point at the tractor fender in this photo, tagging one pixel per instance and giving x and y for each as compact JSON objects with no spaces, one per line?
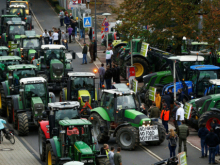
{"x":120,"y":44}
{"x":43,"y":127}
{"x":52,"y":142}
{"x":121,"y":125}
{"x":136,"y":55}
{"x":5,"y":88}
{"x":17,"y":104}
{"x":215,"y":109}
{"x":102,"y":112}
{"x":52,"y":97}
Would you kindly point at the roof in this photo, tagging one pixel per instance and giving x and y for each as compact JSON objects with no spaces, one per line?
{"x":80,"y":74}
{"x":121,"y":89}
{"x":3,"y":48}
{"x":199,"y":43}
{"x":75,"y":122}
{"x":187,"y":58}
{"x":32,"y":80}
{"x":69,"y":104}
{"x":8,"y":58}
{"x":16,"y":22}
{"x":53,"y":46}
{"x":9,"y":15}
{"x":22,"y":66}
{"x":215,"y":81}
{"x":17,"y":6}
{"x":204,"y":67}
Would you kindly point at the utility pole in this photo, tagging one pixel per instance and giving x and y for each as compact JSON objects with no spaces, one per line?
{"x":106,"y":15}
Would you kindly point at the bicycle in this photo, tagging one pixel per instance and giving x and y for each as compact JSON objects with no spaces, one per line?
{"x":9,"y":136}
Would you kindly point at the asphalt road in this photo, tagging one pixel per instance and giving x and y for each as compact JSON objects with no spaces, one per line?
{"x":47,"y":19}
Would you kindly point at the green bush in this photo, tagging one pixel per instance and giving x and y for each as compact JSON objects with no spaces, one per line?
{"x":58,"y":8}
{"x":54,"y":2}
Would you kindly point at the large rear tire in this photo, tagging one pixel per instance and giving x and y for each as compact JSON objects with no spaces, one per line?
{"x":42,"y":144}
{"x":3,"y":111}
{"x":161,"y":132}
{"x":9,"y":111}
{"x":207,"y":118}
{"x":98,"y":123}
{"x":50,"y":157}
{"x":14,"y":116}
{"x":103,"y":161}
{"x":141,"y":68}
{"x":127,"y":137}
{"x":116,"y":54}
{"x":23,"y":127}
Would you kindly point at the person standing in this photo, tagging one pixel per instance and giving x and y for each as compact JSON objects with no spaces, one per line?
{"x":55,"y":37}
{"x":108,"y":57}
{"x":81,"y":28}
{"x":46,"y":37}
{"x":61,"y":17}
{"x":84,"y":52}
{"x":73,"y":27}
{"x":167,"y":99}
{"x":172,"y":142}
{"x":117,"y":157}
{"x":64,"y":39}
{"x":71,"y":16}
{"x":67,"y":21}
{"x":154,"y":111}
{"x":182,"y":132}
{"x":179,"y":114}
{"x":101,"y":75}
{"x":70,"y":30}
{"x":95,"y":50}
{"x":180,"y":95}
{"x":157,"y":99}
{"x":90,"y":34}
{"x":216,"y":128}
{"x":212,"y":141}
{"x":114,"y":73}
{"x":59,"y":35}
{"x":111,"y":156}
{"x":202,"y":133}
{"x":50,"y":37}
{"x":91,"y":49}
{"x":108,"y":77}
{"x":173,"y":112}
{"x":105,"y":150}
{"x":165,"y":116}
{"x":76,"y":25}
{"x":118,"y":73}
{"x":172,"y":98}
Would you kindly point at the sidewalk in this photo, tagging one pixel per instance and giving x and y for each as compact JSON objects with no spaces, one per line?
{"x":16,"y":154}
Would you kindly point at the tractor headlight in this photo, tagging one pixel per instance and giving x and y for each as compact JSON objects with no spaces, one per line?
{"x":84,"y":161}
{"x":54,"y":75}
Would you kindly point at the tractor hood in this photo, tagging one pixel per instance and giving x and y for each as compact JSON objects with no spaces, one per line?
{"x":37,"y":105}
{"x":57,"y":67}
{"x":135,"y":118}
{"x":85,"y":96}
{"x":83,"y":148}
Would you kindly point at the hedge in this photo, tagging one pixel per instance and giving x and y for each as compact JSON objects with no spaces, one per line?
{"x":58,"y":8}
{"x":54,"y":2}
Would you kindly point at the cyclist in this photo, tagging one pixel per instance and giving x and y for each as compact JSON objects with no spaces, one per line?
{"x":2,"y":128}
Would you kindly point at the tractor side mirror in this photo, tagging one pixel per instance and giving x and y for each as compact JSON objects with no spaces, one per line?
{"x":73,"y":55}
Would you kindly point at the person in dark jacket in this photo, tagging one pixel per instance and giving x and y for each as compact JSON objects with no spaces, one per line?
{"x":212,"y":141}
{"x":154,"y":111}
{"x":108,"y":77}
{"x":95,"y":50}
{"x":202,"y":133}
{"x":91,"y":50}
{"x":118,"y":73}
{"x":173,"y":112}
{"x":104,"y":150}
{"x":90,"y":34}
{"x":67,"y":20}
{"x":172,"y":98}
{"x":180,"y":95}
{"x":167,"y":99}
{"x":114,"y":73}
{"x":84,"y":52}
{"x":59,"y":35}
{"x":216,"y":128}
{"x":182,"y":132}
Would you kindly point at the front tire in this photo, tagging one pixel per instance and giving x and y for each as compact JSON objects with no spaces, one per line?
{"x":98,"y":122}
{"x":23,"y":127}
{"x":208,"y":117}
{"x":50,"y":158}
{"x":127,"y":137}
{"x":42,"y":144}
{"x":9,"y":111}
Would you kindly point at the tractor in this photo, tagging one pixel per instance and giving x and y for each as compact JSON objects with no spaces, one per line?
{"x":53,"y":65}
{"x":20,"y":10}
{"x":28,"y":105}
{"x":25,"y":3}
{"x":30,"y":44}
{"x":5,"y":19}
{"x":65,"y":137}
{"x":3,"y":51}
{"x":120,"y":114}
{"x":81,"y":87}
{"x":11,"y":86}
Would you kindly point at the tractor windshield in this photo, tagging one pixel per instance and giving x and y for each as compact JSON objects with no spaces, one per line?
{"x":126,"y":102}
{"x":16,"y":29}
{"x":200,"y":48}
{"x":17,"y":11}
{"x":34,"y":90}
{"x":82,"y":83}
{"x":65,"y":114}
{"x":31,"y":43}
{"x":7,"y":63}
{"x":3,"y":53}
{"x":54,"y":54}
{"x":24,"y":73}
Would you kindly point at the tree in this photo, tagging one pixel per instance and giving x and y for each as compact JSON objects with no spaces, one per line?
{"x":168,"y":20}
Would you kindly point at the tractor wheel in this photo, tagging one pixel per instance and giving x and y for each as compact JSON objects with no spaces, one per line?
{"x":127,"y":137}
{"x":116,"y":54}
{"x":44,"y":76}
{"x":141,"y":68}
{"x":42,"y":144}
{"x":23,"y":128}
{"x":161,"y":132}
{"x":14,"y":117}
{"x":9,"y":111}
{"x":103,"y":161}
{"x":3,"y":104}
{"x":98,"y":122}
{"x":207,"y":118}
{"x":50,"y":157}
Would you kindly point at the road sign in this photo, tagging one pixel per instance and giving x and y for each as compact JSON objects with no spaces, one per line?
{"x":88,"y":11}
{"x":87,"y":22}
{"x":72,"y":8}
{"x":106,"y":24}
{"x":102,"y":29}
{"x":106,"y":29}
{"x":103,"y":23}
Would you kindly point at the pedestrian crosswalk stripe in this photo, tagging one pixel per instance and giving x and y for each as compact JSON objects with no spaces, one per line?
{"x":87,"y":22}
{"x":69,"y":55}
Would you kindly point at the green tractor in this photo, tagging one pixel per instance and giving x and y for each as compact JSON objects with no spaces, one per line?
{"x":11,"y":86}
{"x":120,"y":114}
{"x":53,"y":65}
{"x":4,"y":62}
{"x":30,"y":44}
{"x":80,"y":87}
{"x":28,"y":106}
{"x":5,"y":19}
{"x":205,"y":109}
{"x":3,"y":51}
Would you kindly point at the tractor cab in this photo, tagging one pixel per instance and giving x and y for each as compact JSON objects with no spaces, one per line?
{"x":3,"y":51}
{"x":213,"y":87}
{"x":200,"y":48}
{"x":81,"y":87}
{"x":21,"y":3}
{"x":5,"y":19}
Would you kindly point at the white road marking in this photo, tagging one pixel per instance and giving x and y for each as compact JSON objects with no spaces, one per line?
{"x":79,"y":54}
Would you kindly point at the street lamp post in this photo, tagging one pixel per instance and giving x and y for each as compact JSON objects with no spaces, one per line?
{"x":106,"y":15}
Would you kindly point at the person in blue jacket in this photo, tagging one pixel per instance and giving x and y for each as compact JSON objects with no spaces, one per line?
{"x":2,"y":127}
{"x":203,"y":131}
{"x":67,"y":20}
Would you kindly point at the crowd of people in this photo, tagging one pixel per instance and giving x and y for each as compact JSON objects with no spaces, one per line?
{"x":114,"y":158}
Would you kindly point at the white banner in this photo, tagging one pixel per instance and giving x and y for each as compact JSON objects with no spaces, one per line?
{"x":148,"y":133}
